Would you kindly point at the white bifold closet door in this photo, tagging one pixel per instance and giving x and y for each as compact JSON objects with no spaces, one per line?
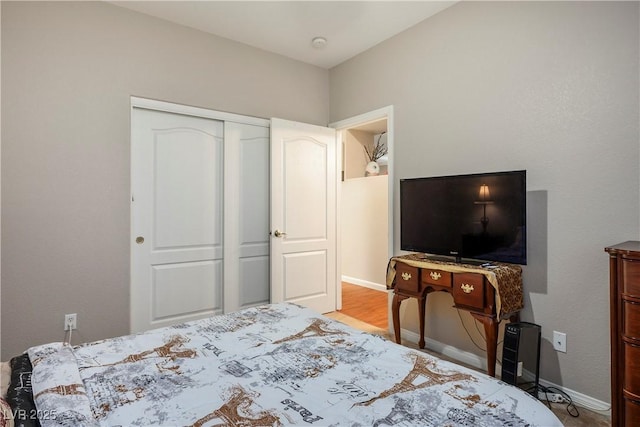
{"x":199,"y":217}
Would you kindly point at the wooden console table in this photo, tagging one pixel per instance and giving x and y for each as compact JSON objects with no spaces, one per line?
{"x":490,"y":294}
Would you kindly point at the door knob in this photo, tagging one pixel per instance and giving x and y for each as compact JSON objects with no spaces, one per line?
{"x":279,"y":233}
{"x":139,"y":240}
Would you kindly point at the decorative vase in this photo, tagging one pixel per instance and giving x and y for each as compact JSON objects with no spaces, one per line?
{"x":372,"y":169}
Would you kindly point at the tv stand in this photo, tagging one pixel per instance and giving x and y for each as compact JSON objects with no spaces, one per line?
{"x":472,"y":287}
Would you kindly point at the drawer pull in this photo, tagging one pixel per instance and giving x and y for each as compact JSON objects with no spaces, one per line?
{"x":435,"y":275}
{"x":406,"y":276}
{"x":466,"y":288}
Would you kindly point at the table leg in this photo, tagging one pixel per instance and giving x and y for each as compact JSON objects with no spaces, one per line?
{"x":421,"y":310}
{"x":491,"y":333}
{"x":395,"y":310}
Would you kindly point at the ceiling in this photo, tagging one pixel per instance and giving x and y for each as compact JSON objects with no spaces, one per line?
{"x":287,"y":27}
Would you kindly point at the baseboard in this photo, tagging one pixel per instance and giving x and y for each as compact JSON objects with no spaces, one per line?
{"x":364,"y":283}
{"x":478,"y":362}
{"x":462,"y":356}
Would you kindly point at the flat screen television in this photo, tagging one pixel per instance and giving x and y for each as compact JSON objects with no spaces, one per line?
{"x":477,"y":216}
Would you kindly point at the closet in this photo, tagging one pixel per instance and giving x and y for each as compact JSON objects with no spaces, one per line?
{"x":199,"y":213}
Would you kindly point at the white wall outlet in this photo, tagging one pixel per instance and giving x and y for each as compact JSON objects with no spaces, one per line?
{"x":552,"y":397}
{"x":70,"y":322}
{"x":556,"y":398}
{"x":560,"y":341}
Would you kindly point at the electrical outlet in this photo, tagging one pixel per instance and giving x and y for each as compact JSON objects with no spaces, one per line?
{"x":560,"y":341}
{"x":556,"y":398}
{"x":70,"y":322}
{"x":551,"y":397}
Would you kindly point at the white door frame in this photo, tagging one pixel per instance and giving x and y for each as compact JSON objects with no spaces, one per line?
{"x":361,"y":119}
{"x":169,"y":107}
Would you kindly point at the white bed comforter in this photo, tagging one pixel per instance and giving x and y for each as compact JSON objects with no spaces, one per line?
{"x":272,"y":365}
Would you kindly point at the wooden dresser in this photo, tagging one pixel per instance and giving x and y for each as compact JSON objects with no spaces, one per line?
{"x":624,"y":272}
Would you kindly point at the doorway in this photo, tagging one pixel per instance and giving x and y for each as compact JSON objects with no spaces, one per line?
{"x":366,"y":215}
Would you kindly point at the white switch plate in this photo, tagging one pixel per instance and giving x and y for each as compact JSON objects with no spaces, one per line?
{"x":560,"y":341}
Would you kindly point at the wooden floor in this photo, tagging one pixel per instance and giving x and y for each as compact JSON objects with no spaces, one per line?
{"x":364,"y":304}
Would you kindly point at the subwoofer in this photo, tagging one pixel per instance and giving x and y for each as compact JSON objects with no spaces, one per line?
{"x":521,"y":356}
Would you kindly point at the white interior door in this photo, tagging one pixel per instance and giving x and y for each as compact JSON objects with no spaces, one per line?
{"x":177,"y":218}
{"x":304,"y":215}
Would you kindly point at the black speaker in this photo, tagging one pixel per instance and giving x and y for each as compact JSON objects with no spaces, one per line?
{"x":521,"y":356}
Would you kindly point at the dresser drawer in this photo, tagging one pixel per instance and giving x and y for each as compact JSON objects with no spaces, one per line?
{"x":468,"y":289}
{"x":436,"y":277}
{"x":631,"y":412}
{"x":407,"y":278}
{"x":631,"y":312}
{"x":632,"y":367}
{"x":631,"y":277}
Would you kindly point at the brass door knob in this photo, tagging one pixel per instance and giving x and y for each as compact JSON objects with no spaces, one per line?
{"x":139,"y":240}
{"x":279,"y":233}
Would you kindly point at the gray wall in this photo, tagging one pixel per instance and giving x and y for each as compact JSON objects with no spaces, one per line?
{"x":550,"y":87}
{"x":68,"y":70}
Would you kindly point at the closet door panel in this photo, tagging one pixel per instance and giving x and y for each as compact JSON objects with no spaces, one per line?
{"x":176,"y":218}
{"x":246,"y":216}
{"x":254,"y":280}
{"x":254,"y":195}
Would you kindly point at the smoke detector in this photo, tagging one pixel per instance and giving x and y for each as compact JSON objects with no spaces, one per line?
{"x":319,"y":42}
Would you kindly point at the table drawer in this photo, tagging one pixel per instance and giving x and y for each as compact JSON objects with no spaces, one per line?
{"x":631,"y":312}
{"x":407,"y":278}
{"x":631,"y":277}
{"x":468,"y":289}
{"x":436,"y":277}
{"x":631,"y":367}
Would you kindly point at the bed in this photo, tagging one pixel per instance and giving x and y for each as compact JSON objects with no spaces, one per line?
{"x":278,"y":364}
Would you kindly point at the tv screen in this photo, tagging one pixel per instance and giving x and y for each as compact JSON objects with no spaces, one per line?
{"x":477,"y":216}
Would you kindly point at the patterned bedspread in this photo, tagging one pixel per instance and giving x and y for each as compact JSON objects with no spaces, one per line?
{"x":271,"y":365}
